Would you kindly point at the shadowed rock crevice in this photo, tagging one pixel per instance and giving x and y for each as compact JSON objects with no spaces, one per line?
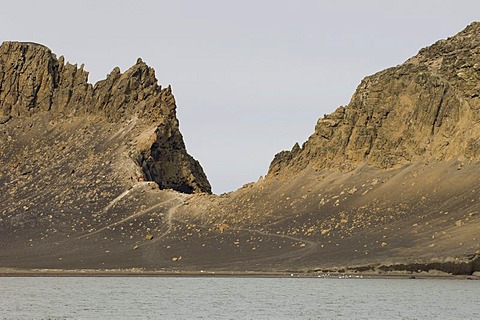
{"x":170,"y":166}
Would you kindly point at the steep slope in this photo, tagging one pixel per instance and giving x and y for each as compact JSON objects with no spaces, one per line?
{"x":388,"y":182}
{"x":425,"y":108}
{"x":390,"y":179}
{"x":34,"y":84}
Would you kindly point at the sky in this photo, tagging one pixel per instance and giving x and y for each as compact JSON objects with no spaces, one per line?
{"x":250,"y":78}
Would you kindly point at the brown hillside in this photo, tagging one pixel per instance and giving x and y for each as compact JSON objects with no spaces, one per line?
{"x":389,"y":182}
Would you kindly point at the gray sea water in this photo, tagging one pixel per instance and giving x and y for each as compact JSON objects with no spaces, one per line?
{"x":236,"y":298}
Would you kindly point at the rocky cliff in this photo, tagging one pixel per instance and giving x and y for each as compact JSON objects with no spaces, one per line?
{"x":34,"y":81}
{"x":388,"y":183}
{"x":427,"y":107}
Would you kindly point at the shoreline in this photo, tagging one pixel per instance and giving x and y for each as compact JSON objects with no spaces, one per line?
{"x":14,"y":272}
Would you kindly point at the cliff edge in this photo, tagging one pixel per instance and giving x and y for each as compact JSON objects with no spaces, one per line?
{"x":33,"y":82}
{"x":388,"y":183}
{"x":425,"y":108}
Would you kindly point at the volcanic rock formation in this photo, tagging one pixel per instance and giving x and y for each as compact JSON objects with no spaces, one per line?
{"x":33,"y":80}
{"x":427,"y":107}
{"x":387,"y":183}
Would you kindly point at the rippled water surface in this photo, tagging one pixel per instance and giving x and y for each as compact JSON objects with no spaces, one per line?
{"x":236,"y":298}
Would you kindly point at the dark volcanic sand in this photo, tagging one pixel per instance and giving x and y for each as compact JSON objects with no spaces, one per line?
{"x":74,"y":207}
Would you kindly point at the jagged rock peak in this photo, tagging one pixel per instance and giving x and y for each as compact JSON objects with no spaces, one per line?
{"x":32,"y":80}
{"x":427,"y":107}
{"x":27,"y":78}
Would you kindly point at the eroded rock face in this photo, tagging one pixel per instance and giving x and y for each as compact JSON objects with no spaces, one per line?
{"x":427,"y":107}
{"x":167,"y":163}
{"x":33,"y":80}
{"x":68,"y":200}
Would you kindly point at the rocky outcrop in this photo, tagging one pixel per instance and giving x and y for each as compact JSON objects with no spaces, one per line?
{"x":33,"y":80}
{"x":426,"y":108}
{"x":166,"y":161}
{"x":465,"y":266}
{"x":69,"y":198}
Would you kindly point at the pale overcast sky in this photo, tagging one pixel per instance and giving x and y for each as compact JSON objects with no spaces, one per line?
{"x":250,"y":78}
